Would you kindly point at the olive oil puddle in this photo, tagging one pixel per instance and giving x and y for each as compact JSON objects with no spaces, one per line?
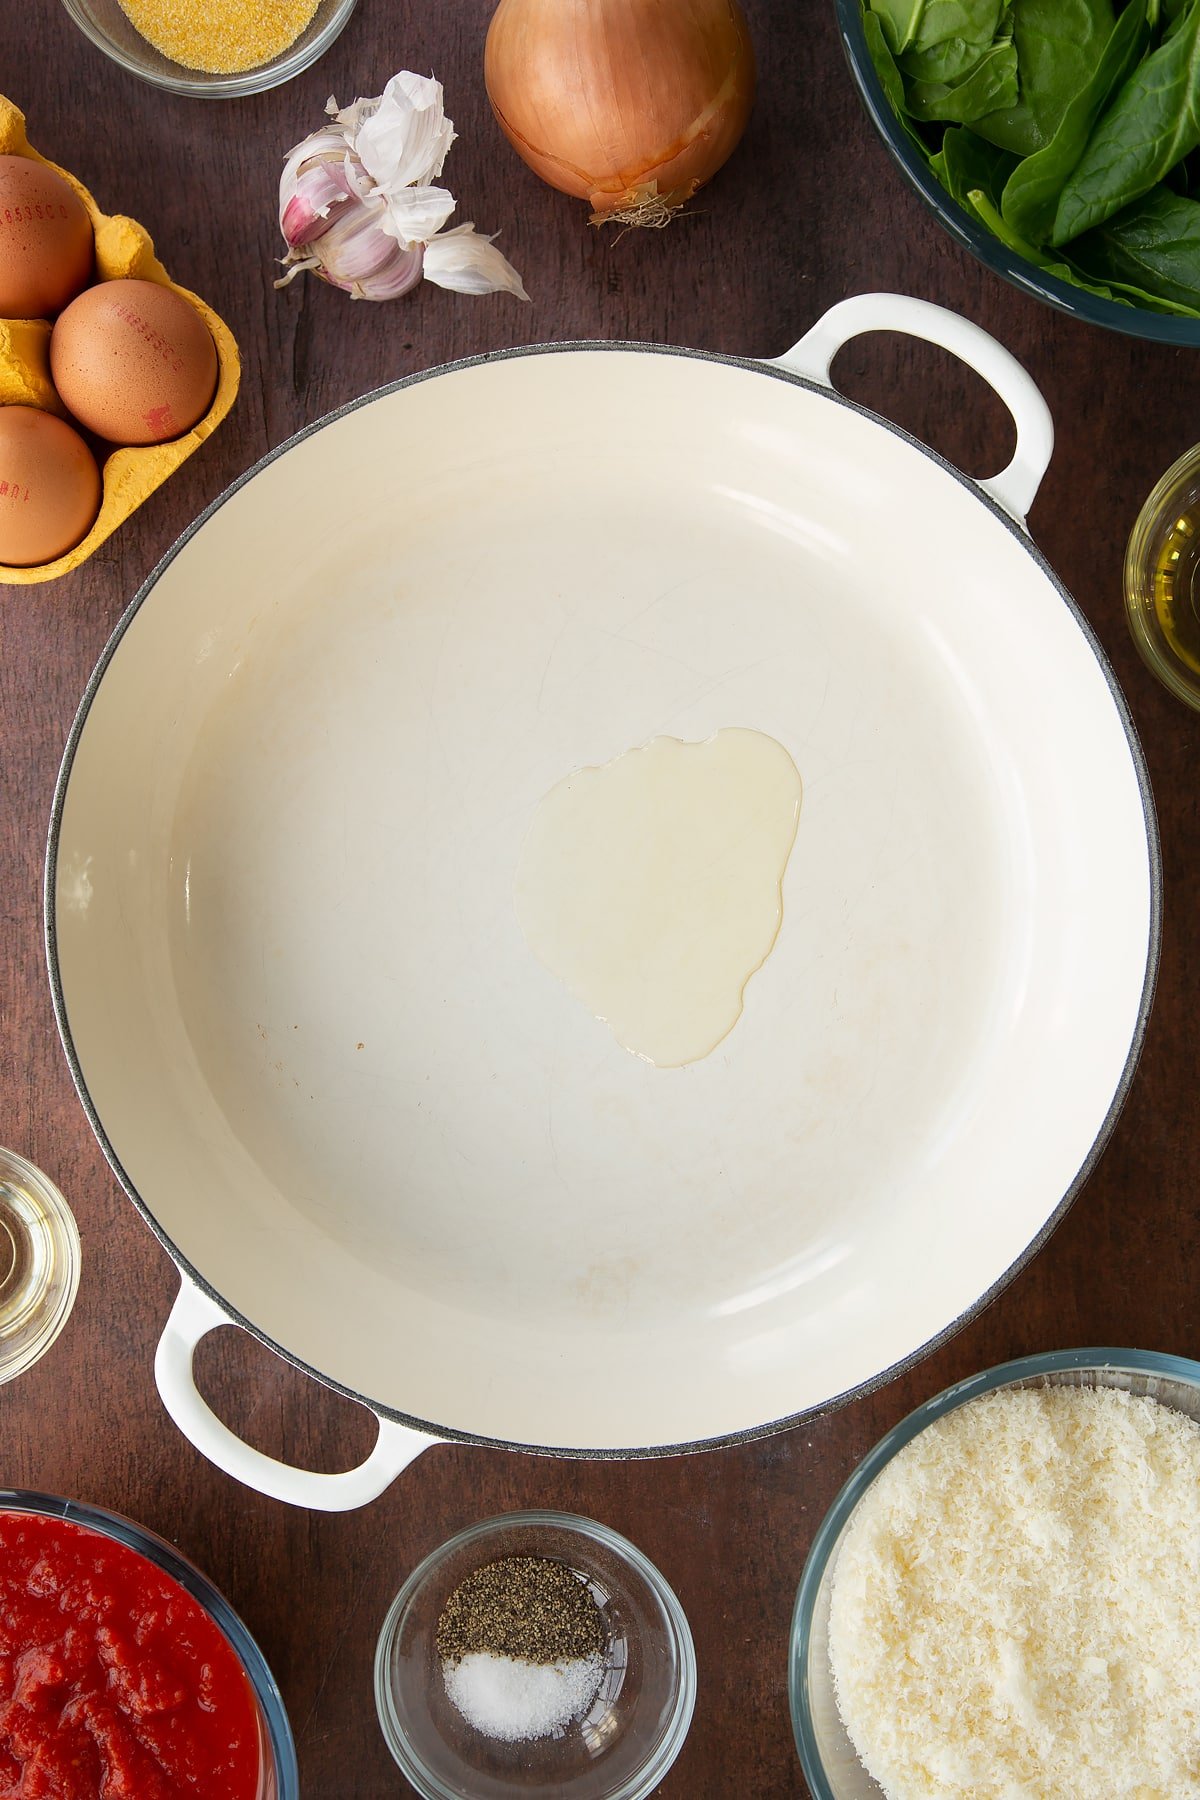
{"x":652,"y":886}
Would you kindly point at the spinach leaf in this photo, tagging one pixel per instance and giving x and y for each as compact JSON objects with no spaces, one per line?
{"x":1152,"y":124}
{"x":1121,"y":292}
{"x":991,"y":83}
{"x":950,"y":58}
{"x":899,"y":20}
{"x":989,"y":215}
{"x":1059,"y":43}
{"x":947,"y":62}
{"x":1153,"y":245}
{"x":1031,"y":196}
{"x":939,"y":40}
{"x":1066,"y":269}
{"x":1128,"y":295}
{"x":975,"y":20}
{"x":884,"y":64}
{"x":965,"y":163}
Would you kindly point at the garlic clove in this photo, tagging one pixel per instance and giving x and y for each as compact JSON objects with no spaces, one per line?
{"x":361,"y":260}
{"x":394,"y":278}
{"x":399,"y":277}
{"x":467,"y":262}
{"x":354,"y":247}
{"x":311,"y":195}
{"x":325,"y":146}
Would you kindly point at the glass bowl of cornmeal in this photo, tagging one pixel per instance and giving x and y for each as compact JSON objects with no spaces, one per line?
{"x":213,"y":48}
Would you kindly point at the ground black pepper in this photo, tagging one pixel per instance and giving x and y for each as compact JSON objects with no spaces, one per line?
{"x":524,"y":1606}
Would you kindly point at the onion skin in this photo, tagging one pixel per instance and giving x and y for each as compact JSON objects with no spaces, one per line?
{"x":629,"y":104}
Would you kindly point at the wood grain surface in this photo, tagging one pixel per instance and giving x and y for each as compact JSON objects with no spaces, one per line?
{"x":810,"y":209}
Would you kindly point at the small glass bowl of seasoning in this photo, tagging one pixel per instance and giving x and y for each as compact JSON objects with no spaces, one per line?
{"x":39,"y":1264}
{"x":213,"y":48}
{"x":537,"y":1650}
{"x":1162,"y":579}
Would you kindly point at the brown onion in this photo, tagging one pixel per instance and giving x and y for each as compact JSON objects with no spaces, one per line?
{"x":631,"y":104}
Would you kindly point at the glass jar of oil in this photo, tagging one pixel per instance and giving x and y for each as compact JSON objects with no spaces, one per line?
{"x":1162,"y":579}
{"x":39,"y":1263}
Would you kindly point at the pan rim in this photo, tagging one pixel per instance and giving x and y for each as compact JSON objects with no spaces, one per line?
{"x":748,"y":1434}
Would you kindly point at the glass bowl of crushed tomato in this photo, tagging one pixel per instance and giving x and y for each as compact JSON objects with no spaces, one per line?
{"x":124,"y":1674}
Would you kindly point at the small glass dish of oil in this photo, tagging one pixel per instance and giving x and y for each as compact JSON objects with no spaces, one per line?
{"x":39,"y":1264}
{"x":1162,"y":579}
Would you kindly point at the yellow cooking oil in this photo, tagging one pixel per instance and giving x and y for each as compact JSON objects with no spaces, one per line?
{"x":1162,"y":579}
{"x":651,"y":886}
{"x":1175,"y":588}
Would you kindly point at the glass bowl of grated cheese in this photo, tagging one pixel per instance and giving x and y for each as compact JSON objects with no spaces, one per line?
{"x":1005,"y":1596}
{"x":218,"y":49}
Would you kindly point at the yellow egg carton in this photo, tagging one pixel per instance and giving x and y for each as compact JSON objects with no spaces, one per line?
{"x":123,"y":249}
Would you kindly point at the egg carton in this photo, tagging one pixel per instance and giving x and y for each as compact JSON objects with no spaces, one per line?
{"x":130,"y":475}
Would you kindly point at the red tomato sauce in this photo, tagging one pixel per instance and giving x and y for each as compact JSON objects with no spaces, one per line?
{"x":114,"y":1683}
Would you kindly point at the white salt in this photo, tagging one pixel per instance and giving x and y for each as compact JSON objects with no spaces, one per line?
{"x":506,"y":1697}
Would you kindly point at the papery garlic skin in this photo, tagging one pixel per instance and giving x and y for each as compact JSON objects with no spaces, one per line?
{"x":358,"y":206}
{"x":465,"y":261}
{"x":403,"y":138}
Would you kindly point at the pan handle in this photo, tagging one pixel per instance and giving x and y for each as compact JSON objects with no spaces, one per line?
{"x":1014,"y":487}
{"x":193,"y":1316}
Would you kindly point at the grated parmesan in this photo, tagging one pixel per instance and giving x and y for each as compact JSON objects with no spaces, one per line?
{"x":1015,"y":1607}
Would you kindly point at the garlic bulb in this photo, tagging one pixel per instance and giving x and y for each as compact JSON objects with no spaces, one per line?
{"x":358,"y":205}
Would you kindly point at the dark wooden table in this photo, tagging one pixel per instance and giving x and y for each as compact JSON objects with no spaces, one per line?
{"x":809,"y":210}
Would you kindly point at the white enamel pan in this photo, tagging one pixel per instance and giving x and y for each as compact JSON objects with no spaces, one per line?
{"x":371,"y":1127}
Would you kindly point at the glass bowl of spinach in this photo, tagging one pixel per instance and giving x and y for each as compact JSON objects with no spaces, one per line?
{"x":1058,"y":140}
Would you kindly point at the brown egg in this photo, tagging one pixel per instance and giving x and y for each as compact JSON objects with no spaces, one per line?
{"x":46,"y":240}
{"x":134,"y":362}
{"x":49,"y":487}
